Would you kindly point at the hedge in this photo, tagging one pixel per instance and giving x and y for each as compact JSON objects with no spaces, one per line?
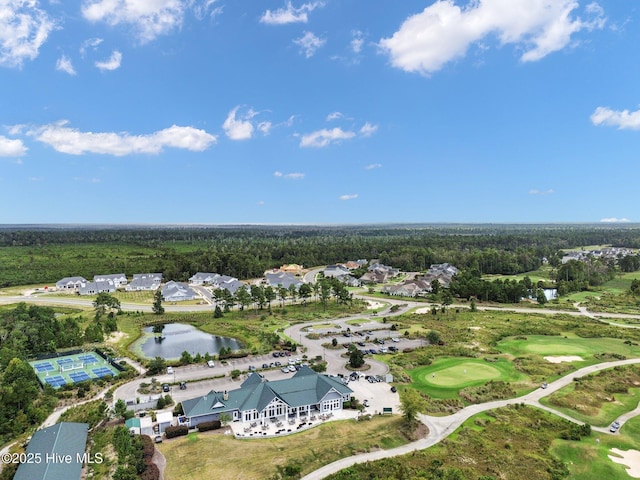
{"x":172,"y":432}
{"x":212,"y":425}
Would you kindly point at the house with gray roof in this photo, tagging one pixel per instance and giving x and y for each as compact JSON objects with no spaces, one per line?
{"x":93,"y":288}
{"x":277,"y":279}
{"x":259,"y":400}
{"x":335,"y":271}
{"x":118,"y":279}
{"x":177,"y":292}
{"x":144,"y":281}
{"x":203,"y":278}
{"x":64,"y":440}
{"x":70,"y":283}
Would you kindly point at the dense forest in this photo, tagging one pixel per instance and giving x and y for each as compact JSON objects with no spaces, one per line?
{"x":30,"y":255}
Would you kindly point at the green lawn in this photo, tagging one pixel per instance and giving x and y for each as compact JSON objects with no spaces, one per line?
{"x":567,"y":345}
{"x":445,"y":377}
{"x":589,"y":459}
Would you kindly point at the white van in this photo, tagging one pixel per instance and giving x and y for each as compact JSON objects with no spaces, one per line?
{"x":210,"y":364}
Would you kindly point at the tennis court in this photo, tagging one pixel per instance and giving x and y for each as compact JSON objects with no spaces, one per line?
{"x":72,"y":369}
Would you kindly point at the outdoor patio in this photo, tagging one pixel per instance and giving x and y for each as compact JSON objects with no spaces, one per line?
{"x":278,"y":426}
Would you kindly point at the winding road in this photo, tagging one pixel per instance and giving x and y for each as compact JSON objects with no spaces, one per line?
{"x":439,"y":427}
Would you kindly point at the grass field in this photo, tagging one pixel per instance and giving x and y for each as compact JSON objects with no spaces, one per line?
{"x":213,"y":456}
{"x":589,"y":459}
{"x":600,"y":398}
{"x":445,"y":377}
{"x":567,"y":345}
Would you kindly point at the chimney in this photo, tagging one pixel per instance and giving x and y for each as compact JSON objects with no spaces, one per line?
{"x":225,"y":396}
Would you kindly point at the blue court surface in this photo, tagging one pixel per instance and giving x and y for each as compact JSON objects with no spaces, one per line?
{"x":48,"y":371}
{"x":102,"y":372}
{"x":56,"y":381}
{"x":43,"y":367}
{"x":79,"y":377}
{"x":88,"y":359}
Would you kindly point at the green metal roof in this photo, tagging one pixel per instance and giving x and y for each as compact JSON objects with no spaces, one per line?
{"x":306,"y":387}
{"x":60,"y":440}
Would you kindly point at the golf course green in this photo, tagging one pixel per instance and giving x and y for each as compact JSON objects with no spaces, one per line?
{"x":446,"y":376}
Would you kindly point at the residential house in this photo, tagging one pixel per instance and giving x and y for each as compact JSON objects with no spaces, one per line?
{"x":118,"y":279}
{"x":70,"y":283}
{"x":202,"y":278}
{"x":259,"y":400}
{"x":332,"y":271}
{"x":93,"y":288}
{"x":144,"y":281}
{"x":177,"y":292}
{"x":63,"y":441}
{"x":285,"y":280}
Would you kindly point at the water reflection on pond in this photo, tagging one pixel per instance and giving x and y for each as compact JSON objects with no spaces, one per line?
{"x":180,"y":337}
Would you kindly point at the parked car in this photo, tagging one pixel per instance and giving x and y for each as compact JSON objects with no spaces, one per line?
{"x":614,"y":426}
{"x":252,"y":368}
{"x":169,"y":370}
{"x":395,"y":339}
{"x":394,"y":389}
{"x":165,"y":387}
{"x":292,"y":368}
{"x":265,"y":365}
{"x":365,"y":403}
{"x":284,"y":369}
{"x":278,"y":364}
{"x":158,"y":439}
{"x":183,"y":385}
{"x":210,"y":364}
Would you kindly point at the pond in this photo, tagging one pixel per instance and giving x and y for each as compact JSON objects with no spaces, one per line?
{"x":178,"y":337}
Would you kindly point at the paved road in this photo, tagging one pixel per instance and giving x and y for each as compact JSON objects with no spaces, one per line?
{"x":442,"y":427}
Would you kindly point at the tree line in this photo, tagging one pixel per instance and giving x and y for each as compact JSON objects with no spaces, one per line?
{"x":35,"y":256}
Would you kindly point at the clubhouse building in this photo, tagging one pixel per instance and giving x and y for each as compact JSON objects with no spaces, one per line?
{"x":305,"y":394}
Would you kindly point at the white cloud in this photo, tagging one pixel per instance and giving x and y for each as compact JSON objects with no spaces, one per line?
{"x":202,"y":10}
{"x":614,"y":220}
{"x":260,"y":202}
{"x":309,"y":44}
{"x":113,"y":63}
{"x":368,"y":129}
{"x":324,"y":137}
{"x":334,"y":116}
{"x":289,"y":14}
{"x":72,"y":141}
{"x":238,"y":129}
{"x":535,"y":191}
{"x":91,"y":43}
{"x":24,"y":28}
{"x":149,"y":18}
{"x":443,"y":31}
{"x":357,"y":41}
{"x":11,"y":147}
{"x":64,"y":65}
{"x":264,"y":127}
{"x":622,"y":119}
{"x":371,"y":166}
{"x":350,"y":196}
{"x":289,"y":176}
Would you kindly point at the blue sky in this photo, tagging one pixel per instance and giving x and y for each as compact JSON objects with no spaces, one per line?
{"x":332,"y":111}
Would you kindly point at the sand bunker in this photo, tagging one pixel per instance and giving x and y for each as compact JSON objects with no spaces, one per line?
{"x":373,"y":305}
{"x":422,"y":310}
{"x":567,"y":358}
{"x":630,"y":459}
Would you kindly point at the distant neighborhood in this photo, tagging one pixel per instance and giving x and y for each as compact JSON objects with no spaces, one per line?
{"x":355,"y":273}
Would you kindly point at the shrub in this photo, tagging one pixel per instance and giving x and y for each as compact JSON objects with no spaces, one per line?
{"x":212,"y":425}
{"x":177,"y":431}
